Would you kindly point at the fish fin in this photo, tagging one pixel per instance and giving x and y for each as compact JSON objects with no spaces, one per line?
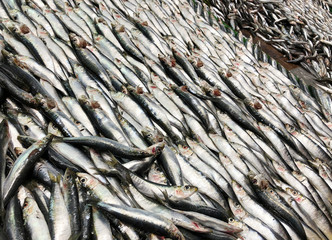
{"x":107,"y":172}
{"x":57,"y":139}
{"x":124,"y":177}
{"x":26,"y":141}
{"x":91,"y":202}
{"x":130,"y":196}
{"x":156,"y":148}
{"x":158,"y":199}
{"x":75,"y":236}
{"x":165,"y":194}
{"x":54,"y":178}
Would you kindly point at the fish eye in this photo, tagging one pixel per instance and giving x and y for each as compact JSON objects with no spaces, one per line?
{"x":186,"y":187}
{"x":26,"y":128}
{"x":258,"y":106}
{"x":25,"y":204}
{"x":67,"y":177}
{"x":231,"y":220}
{"x":295,"y":193}
{"x":83,"y":180}
{"x":237,"y":205}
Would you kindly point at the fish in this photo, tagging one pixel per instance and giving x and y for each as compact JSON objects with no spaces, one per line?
{"x":296,"y":47}
{"x":154,"y":120}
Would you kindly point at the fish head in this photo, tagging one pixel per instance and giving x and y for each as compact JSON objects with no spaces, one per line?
{"x":156,"y":149}
{"x":291,"y":129}
{"x":41,"y":32}
{"x":29,"y":206}
{"x":236,"y":208}
{"x":301,"y":165}
{"x":262,"y":127}
{"x":256,"y":104}
{"x":54,"y":130}
{"x":295,"y":195}
{"x":24,"y":119}
{"x":133,"y":90}
{"x":118,"y":96}
{"x":102,"y":7}
{"x":182,"y":192}
{"x":322,"y":172}
{"x":17,"y":60}
{"x":278,"y":167}
{"x":83,"y":100}
{"x":14,"y":13}
{"x":238,"y":189}
{"x":235,"y":223}
{"x":118,"y":28}
{"x":197,"y":227}
{"x":47,"y":10}
{"x":152,"y":135}
{"x":176,"y":52}
{"x":156,"y":175}
{"x":147,"y":132}
{"x":152,"y":87}
{"x":155,"y":78}
{"x":81,"y":127}
{"x":68,"y":177}
{"x":135,"y":32}
{"x":24,"y":8}
{"x":87,"y":180}
{"x":78,"y":41}
{"x":29,"y":126}
{"x":19,"y":150}
{"x":78,"y":68}
{"x":283,"y":88}
{"x":22,"y":194}
{"x":270,"y":191}
{"x":302,"y":126}
{"x":175,"y":233}
{"x":185,"y":150}
{"x":228,"y":131}
{"x":191,"y":143}
{"x":23,"y":29}
{"x":224,"y":159}
{"x":294,"y":89}
{"x":258,"y":180}
{"x":10,"y":25}
{"x":92,"y":91}
{"x":100,"y":20}
{"x":164,"y":60}
{"x":299,"y":176}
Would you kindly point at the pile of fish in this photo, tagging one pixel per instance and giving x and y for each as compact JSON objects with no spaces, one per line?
{"x":143,"y":120}
{"x":300,"y":29}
